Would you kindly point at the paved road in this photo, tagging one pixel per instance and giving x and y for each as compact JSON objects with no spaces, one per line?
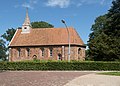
{"x":95,"y":80}
{"x":38,"y":78}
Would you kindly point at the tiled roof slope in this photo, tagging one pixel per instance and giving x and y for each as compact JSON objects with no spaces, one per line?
{"x":46,"y":36}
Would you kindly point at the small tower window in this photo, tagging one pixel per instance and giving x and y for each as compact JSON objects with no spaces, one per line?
{"x":25,"y":27}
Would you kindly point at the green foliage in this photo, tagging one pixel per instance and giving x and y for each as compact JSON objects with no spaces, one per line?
{"x":53,"y":65}
{"x":9,"y":34}
{"x":41,"y":24}
{"x":113,"y":27}
{"x":2,"y":50}
{"x":111,"y":73}
{"x":113,"y":21}
{"x":104,"y":41}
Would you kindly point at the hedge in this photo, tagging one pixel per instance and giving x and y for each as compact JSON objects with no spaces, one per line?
{"x":75,"y":65}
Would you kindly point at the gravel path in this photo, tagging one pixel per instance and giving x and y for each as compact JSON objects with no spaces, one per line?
{"x":37,"y":78}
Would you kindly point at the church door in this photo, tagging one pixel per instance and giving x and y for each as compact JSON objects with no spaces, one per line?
{"x":34,"y":57}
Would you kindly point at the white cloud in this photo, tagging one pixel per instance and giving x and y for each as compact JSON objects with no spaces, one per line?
{"x":64,"y":3}
{"x":29,"y":4}
{"x":91,"y":2}
{"x":33,"y":1}
{"x":102,"y":2}
{"x":60,"y":3}
{"x":79,"y":4}
{"x":16,"y":6}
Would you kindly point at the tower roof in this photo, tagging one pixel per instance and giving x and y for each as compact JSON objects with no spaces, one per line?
{"x":27,"y":20}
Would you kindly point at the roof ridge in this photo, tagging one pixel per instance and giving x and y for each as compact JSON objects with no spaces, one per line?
{"x":53,"y":28}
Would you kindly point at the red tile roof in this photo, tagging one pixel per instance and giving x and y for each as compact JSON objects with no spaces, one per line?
{"x":46,"y":36}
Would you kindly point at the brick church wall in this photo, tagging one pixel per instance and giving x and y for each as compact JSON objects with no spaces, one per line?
{"x":37,"y":52}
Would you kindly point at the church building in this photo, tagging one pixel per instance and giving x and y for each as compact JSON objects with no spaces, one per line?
{"x":45,"y":43}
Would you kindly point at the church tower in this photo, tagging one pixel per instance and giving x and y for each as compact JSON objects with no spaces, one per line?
{"x":26,"y":27}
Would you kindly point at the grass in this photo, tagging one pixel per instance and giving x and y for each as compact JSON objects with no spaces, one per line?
{"x":111,"y":73}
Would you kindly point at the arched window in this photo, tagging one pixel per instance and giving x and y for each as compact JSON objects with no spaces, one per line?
{"x":79,"y":51}
{"x":51,"y":52}
{"x":28,"y":51}
{"x":19,"y":50}
{"x":59,"y":57}
{"x":42,"y":52}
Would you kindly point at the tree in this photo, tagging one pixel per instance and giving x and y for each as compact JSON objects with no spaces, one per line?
{"x":104,"y":41}
{"x":97,"y":39}
{"x":100,"y":49}
{"x":2,"y":50}
{"x":41,"y":24}
{"x":113,"y":20}
{"x":113,"y":27}
{"x":8,"y":34}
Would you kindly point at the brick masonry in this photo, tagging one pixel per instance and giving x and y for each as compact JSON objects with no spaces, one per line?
{"x":58,"y":53}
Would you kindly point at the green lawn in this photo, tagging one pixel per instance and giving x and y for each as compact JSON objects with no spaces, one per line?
{"x":111,"y":73}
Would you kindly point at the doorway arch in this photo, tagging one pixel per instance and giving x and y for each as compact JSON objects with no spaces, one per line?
{"x":34,"y":57}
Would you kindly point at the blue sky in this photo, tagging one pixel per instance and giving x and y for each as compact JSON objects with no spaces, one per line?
{"x":79,"y":14}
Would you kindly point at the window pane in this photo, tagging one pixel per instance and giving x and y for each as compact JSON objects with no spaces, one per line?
{"x":42,"y":52}
{"x":51,"y":52}
{"x":19,"y":52}
{"x":28,"y":51}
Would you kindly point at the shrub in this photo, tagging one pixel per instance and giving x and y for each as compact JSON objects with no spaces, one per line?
{"x":54,"y":65}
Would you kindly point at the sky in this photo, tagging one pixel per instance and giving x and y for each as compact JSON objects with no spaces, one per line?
{"x":79,"y":14}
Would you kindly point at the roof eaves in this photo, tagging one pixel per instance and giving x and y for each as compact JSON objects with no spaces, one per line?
{"x":46,"y":45}
{"x":13,"y":37}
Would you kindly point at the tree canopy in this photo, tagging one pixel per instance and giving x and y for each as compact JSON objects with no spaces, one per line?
{"x":104,"y":41}
{"x":2,"y":50}
{"x":8,"y":34}
{"x":41,"y":24}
